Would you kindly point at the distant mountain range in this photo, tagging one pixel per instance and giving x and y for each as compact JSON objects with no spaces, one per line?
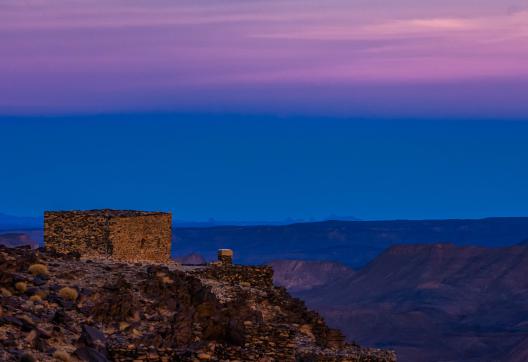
{"x":353,"y":243}
{"x":436,"y":302}
{"x":15,"y":222}
{"x":287,"y":221}
{"x":17,"y":239}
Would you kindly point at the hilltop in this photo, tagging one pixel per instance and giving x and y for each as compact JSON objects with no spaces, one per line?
{"x":63,"y":307}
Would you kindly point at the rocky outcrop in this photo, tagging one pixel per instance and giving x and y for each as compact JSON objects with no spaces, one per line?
{"x":61,"y":306}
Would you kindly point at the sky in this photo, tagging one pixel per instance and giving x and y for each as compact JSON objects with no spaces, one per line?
{"x":348,"y":58}
{"x":263,"y":168}
{"x":264,"y":110}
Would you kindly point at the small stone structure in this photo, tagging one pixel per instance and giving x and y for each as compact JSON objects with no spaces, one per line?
{"x":225,"y":256}
{"x":261,"y":276}
{"x":120,"y":234}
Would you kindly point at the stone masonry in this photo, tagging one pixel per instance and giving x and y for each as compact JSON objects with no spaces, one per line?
{"x":225,"y":256}
{"x":120,"y":234}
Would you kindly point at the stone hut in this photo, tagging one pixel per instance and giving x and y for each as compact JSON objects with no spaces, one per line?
{"x":225,"y":256}
{"x":121,"y":234}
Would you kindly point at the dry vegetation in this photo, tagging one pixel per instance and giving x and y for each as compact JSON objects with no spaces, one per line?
{"x":68,"y":293}
{"x":38,"y":269}
{"x":21,"y":287}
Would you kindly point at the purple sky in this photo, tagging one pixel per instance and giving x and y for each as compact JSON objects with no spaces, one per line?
{"x":379,"y":58}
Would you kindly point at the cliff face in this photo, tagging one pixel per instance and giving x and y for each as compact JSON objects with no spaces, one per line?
{"x":156,"y":312}
{"x":434,"y":303}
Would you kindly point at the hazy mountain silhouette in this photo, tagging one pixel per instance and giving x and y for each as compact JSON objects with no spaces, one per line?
{"x":298,"y":275}
{"x":17,"y":239}
{"x":353,"y":243}
{"x":191,"y":259}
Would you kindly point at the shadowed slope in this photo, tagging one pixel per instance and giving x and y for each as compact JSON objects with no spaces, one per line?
{"x":298,"y":275}
{"x":434,"y":302}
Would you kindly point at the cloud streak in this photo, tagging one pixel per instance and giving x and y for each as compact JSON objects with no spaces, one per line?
{"x":57,"y":53}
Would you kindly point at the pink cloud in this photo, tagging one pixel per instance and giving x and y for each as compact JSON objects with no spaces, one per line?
{"x":65,"y":50}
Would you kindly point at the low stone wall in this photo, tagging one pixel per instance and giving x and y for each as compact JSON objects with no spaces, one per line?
{"x":255,"y":276}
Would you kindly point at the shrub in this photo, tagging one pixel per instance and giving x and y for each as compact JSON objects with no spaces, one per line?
{"x":62,"y":356}
{"x":35,"y":298}
{"x":21,"y":286}
{"x":38,"y":269}
{"x":68,"y":293}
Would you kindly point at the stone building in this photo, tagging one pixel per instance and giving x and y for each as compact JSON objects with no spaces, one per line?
{"x":225,"y":256}
{"x":120,"y":234}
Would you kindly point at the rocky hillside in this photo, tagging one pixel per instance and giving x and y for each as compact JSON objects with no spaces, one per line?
{"x":57,"y":307}
{"x":434,"y":303}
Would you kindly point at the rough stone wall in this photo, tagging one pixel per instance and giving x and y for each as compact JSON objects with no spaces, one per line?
{"x":256,"y":276}
{"x":125,"y":235}
{"x":77,"y":231}
{"x":145,"y":237}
